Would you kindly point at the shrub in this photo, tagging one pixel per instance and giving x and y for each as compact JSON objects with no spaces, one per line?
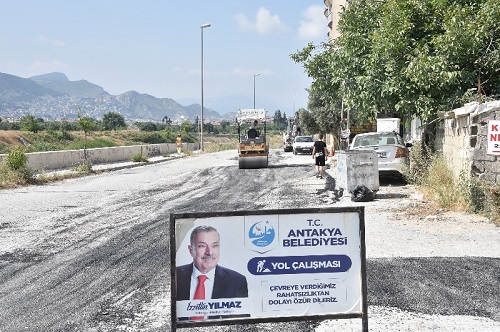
{"x":11,"y":178}
{"x":44,"y":146}
{"x":85,"y":167}
{"x":474,"y":193}
{"x":16,"y":158}
{"x":14,"y":170}
{"x":91,"y":144}
{"x":492,"y":193}
{"x":420,"y":160}
{"x":439,"y":182}
{"x":436,"y":181}
{"x":63,"y":135}
{"x":151,"y":137}
{"x":139,"y":158}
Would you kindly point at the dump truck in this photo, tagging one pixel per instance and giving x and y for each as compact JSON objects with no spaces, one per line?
{"x":253,"y":149}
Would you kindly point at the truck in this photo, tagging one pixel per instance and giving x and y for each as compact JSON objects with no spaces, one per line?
{"x":388,"y":124}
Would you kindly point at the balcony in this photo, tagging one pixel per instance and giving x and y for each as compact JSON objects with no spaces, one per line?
{"x":327,"y":12}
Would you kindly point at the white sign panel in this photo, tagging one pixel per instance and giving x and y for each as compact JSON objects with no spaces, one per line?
{"x":251,"y":114}
{"x":493,"y":143}
{"x":293,"y":264}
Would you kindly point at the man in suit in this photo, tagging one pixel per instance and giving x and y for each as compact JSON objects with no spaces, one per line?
{"x":219,"y":282}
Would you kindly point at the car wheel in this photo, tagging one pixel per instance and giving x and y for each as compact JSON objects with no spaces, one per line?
{"x":402,"y":179}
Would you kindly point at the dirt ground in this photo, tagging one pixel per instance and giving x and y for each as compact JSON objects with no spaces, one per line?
{"x":9,"y":138}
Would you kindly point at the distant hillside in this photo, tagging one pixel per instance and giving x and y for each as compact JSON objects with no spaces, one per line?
{"x":144,"y":106}
{"x":15,"y":89}
{"x":54,"y":96}
{"x":60,"y":83}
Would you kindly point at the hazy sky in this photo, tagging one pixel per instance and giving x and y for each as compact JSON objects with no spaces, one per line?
{"x":154,"y":47}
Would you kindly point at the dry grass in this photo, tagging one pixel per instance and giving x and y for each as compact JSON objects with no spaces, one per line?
{"x":275,"y":142}
{"x":443,"y":192}
{"x":440,"y":186}
{"x":221,"y":143}
{"x":10,"y":138}
{"x":493,"y":194}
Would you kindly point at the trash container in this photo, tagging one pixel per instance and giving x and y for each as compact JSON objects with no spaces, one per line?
{"x":357,"y":168}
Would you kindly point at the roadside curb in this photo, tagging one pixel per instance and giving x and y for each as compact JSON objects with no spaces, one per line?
{"x":108,"y":167}
{"x":130,"y":164}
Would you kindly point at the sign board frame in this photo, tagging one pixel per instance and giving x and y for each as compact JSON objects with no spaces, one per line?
{"x":332,"y":241}
{"x":493,"y":138}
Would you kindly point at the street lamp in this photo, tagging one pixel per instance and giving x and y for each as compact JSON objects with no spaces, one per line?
{"x":201,"y":125}
{"x":295,"y":95}
{"x":254,"y":75}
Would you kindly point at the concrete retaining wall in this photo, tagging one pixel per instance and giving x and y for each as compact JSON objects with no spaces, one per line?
{"x":453,"y":141}
{"x":64,"y":159}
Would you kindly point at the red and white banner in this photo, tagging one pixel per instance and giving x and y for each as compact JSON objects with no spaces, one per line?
{"x":493,"y":143}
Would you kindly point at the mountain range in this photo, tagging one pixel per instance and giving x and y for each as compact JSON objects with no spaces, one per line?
{"x":53,"y":97}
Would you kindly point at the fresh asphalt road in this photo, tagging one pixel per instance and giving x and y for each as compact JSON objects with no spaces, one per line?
{"x":92,"y":253}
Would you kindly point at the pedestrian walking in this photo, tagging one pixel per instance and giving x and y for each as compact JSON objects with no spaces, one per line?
{"x":178,"y":143}
{"x":319,"y":155}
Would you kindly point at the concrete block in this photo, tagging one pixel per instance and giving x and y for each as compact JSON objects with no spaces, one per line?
{"x":357,"y":168}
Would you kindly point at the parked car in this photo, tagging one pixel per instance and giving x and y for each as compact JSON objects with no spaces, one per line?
{"x":303,"y":144}
{"x":391,"y":151}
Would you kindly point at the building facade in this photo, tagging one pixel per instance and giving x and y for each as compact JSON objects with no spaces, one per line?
{"x":332,"y":14}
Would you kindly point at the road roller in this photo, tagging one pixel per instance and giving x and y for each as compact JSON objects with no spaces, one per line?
{"x":253,"y":150}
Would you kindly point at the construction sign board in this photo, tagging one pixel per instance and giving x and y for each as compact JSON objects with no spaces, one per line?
{"x":268,"y":266}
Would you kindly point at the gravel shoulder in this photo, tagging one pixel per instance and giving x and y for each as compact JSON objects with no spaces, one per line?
{"x":417,"y":243}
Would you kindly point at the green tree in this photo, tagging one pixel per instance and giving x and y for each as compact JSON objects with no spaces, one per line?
{"x":307,"y":121}
{"x":187,"y":126}
{"x":208,"y":128}
{"x":279,"y":120}
{"x":113,"y":121}
{"x":325,"y":113}
{"x":65,"y":126}
{"x":408,"y":57}
{"x":166,"y":120}
{"x":225,"y":126}
{"x":6,"y":125}
{"x":147,"y":126}
{"x":30,"y":123}
{"x":87,"y":125}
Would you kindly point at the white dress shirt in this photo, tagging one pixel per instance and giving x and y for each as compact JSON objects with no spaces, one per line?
{"x":209,"y":283}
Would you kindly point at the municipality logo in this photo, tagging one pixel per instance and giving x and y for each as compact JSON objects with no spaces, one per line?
{"x":261,"y":234}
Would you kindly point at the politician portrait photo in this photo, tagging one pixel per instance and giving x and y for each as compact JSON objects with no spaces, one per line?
{"x":204,"y":278}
